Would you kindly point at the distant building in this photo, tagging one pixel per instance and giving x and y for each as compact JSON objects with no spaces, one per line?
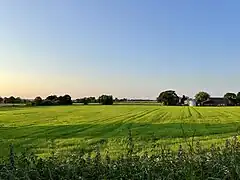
{"x":216,"y":101}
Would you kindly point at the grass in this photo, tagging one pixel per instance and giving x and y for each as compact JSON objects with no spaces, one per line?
{"x":72,"y":127}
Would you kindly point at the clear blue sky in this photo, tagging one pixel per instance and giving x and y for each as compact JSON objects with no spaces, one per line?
{"x":127,"y":48}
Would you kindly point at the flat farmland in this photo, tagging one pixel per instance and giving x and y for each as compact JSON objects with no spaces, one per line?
{"x":152,"y":126}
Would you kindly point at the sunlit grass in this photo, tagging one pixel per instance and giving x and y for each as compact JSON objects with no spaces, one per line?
{"x":75,"y":126}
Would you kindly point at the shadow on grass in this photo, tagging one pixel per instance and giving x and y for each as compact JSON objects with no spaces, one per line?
{"x":38,"y":137}
{"x":167,"y":130}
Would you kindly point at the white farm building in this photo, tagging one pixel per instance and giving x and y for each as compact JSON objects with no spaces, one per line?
{"x":192,"y":102}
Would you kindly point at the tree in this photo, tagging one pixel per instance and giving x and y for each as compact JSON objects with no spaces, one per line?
{"x":67,"y":100}
{"x":1,"y":99}
{"x":18,"y":100}
{"x":168,"y":98}
{"x":85,"y":101}
{"x":230,"y":96}
{"x":52,"y":98}
{"x":202,"y":96}
{"x":38,"y":101}
{"x":12,"y":100}
{"x":63,"y":100}
{"x":106,"y":99}
{"x":5,"y":100}
{"x":91,"y":100}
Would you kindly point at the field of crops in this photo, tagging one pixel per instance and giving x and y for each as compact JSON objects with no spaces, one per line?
{"x":71,"y":127}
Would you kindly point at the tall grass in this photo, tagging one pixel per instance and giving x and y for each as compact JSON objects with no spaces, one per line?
{"x":192,"y":162}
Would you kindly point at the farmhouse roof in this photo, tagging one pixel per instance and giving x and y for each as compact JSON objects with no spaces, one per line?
{"x":216,"y":101}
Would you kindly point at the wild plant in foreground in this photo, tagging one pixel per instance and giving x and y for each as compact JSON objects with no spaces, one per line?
{"x":216,"y":162}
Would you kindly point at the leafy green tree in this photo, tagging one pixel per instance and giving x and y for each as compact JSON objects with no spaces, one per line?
{"x":67,"y":100}
{"x":47,"y":102}
{"x":52,"y":98}
{"x":12,"y":100}
{"x":91,"y":100}
{"x":63,"y":100}
{"x":202,"y":96}
{"x":168,"y":98}
{"x":105,"y":100}
{"x":18,"y":100}
{"x":1,"y":99}
{"x":38,"y":101}
{"x":230,"y":96}
{"x":86,"y":101}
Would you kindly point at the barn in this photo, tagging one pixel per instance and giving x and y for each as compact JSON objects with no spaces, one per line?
{"x":216,"y":101}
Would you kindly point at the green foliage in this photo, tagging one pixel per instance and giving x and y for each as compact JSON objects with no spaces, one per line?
{"x":230,"y":96}
{"x":202,"y":96}
{"x":168,"y":98}
{"x":194,"y":162}
{"x":86,"y":100}
{"x":38,"y":100}
{"x":105,"y":100}
{"x":66,"y":100}
{"x":11,"y":100}
{"x":53,"y":100}
{"x":47,"y":103}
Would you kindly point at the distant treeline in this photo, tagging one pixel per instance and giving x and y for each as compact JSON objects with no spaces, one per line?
{"x":103,"y":99}
{"x":52,"y":100}
{"x":96,"y":100}
{"x":67,"y":100}
{"x":58,"y":100}
{"x":13,"y":100}
{"x":168,"y":97}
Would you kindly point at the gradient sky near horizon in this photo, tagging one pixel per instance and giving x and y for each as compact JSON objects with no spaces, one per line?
{"x":127,"y":48}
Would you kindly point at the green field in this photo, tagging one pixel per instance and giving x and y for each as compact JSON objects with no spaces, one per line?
{"x":79,"y":126}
